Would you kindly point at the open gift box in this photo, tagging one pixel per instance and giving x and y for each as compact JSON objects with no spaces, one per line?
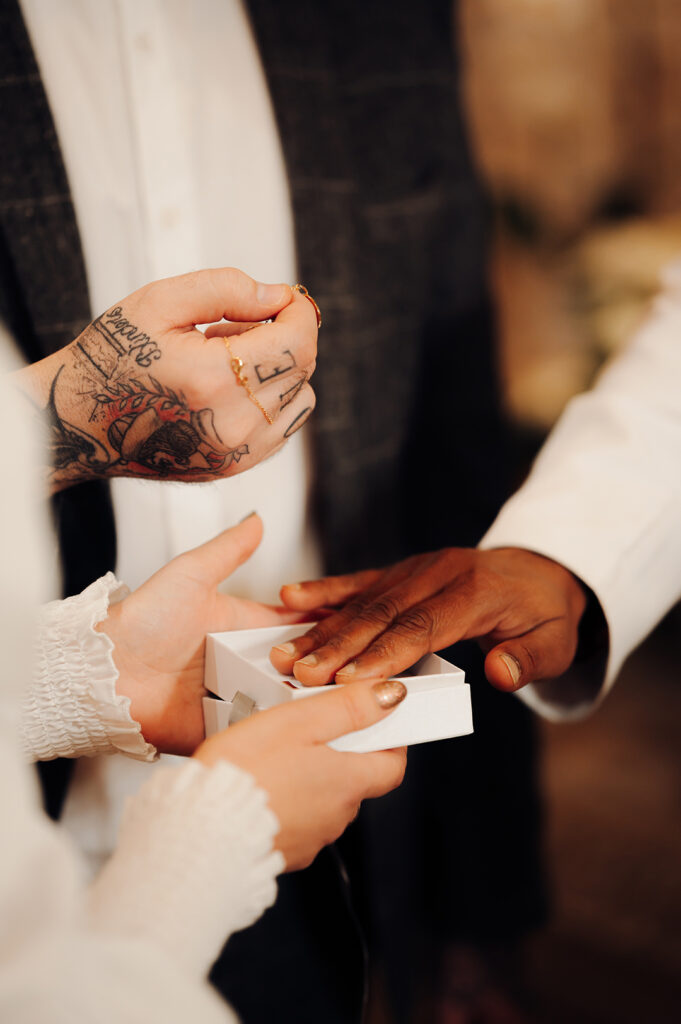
{"x":241,"y":679}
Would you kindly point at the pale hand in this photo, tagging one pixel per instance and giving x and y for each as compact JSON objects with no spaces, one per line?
{"x":314,"y":791}
{"x":159,"y":635}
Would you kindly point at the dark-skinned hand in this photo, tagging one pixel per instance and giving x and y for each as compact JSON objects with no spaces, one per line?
{"x":524,"y":610}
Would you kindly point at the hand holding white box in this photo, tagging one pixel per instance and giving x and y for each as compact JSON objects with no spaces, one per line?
{"x":437,"y":705}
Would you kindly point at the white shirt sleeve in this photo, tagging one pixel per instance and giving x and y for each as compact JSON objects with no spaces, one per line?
{"x":604,"y":498}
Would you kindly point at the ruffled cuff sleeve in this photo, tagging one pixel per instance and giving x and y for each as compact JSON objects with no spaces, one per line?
{"x":71,"y":708}
{"x":194,"y":862}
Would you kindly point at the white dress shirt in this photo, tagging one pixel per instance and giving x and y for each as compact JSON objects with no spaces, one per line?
{"x":174,"y":161}
{"x":604,"y":498}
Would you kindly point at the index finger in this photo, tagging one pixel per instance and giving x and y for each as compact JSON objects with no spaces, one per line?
{"x":204,"y":296}
{"x":330,"y":590}
{"x":321,"y":652}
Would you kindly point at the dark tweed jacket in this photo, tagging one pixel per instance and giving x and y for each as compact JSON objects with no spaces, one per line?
{"x":390,"y":232}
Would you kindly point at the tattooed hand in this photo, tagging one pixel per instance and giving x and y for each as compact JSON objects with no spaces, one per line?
{"x":143,"y":393}
{"x":159,"y":634}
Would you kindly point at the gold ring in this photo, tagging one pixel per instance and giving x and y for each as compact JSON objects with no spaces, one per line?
{"x":237,"y":365}
{"x":303,"y":291}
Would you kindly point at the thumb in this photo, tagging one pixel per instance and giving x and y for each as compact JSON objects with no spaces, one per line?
{"x":219,"y":557}
{"x":205,"y":296}
{"x":542,"y":653}
{"x":345,"y":709}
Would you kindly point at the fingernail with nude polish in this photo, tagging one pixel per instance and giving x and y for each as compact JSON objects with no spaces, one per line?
{"x":288,"y":648}
{"x":311,"y":660}
{"x":293,"y":586}
{"x":271,"y":294}
{"x":513,"y":667}
{"x":389,"y":693}
{"x":348,"y":670}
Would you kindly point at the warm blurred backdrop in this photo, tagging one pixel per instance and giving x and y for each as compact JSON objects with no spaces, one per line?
{"x":575,"y":111}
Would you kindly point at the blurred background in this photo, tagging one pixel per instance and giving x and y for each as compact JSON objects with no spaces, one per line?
{"x":575,"y":112}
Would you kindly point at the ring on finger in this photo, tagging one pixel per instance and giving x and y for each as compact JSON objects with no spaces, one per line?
{"x":303,"y":291}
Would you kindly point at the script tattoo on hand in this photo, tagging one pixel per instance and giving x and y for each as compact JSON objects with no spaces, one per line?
{"x":112,"y":336}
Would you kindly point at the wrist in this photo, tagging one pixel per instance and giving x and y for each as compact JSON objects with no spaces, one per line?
{"x":113,"y":627}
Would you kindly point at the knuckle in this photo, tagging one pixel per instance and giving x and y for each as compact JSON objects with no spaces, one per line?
{"x":476,"y":579}
{"x":418,"y":621}
{"x":381,"y":612}
{"x":381,"y":649}
{"x":354,"y":608}
{"x":334,"y":643}
{"x":235,"y":278}
{"x":318,"y":635}
{"x":466,"y":579}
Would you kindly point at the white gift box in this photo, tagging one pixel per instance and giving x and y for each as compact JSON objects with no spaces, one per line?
{"x":437,"y":705}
